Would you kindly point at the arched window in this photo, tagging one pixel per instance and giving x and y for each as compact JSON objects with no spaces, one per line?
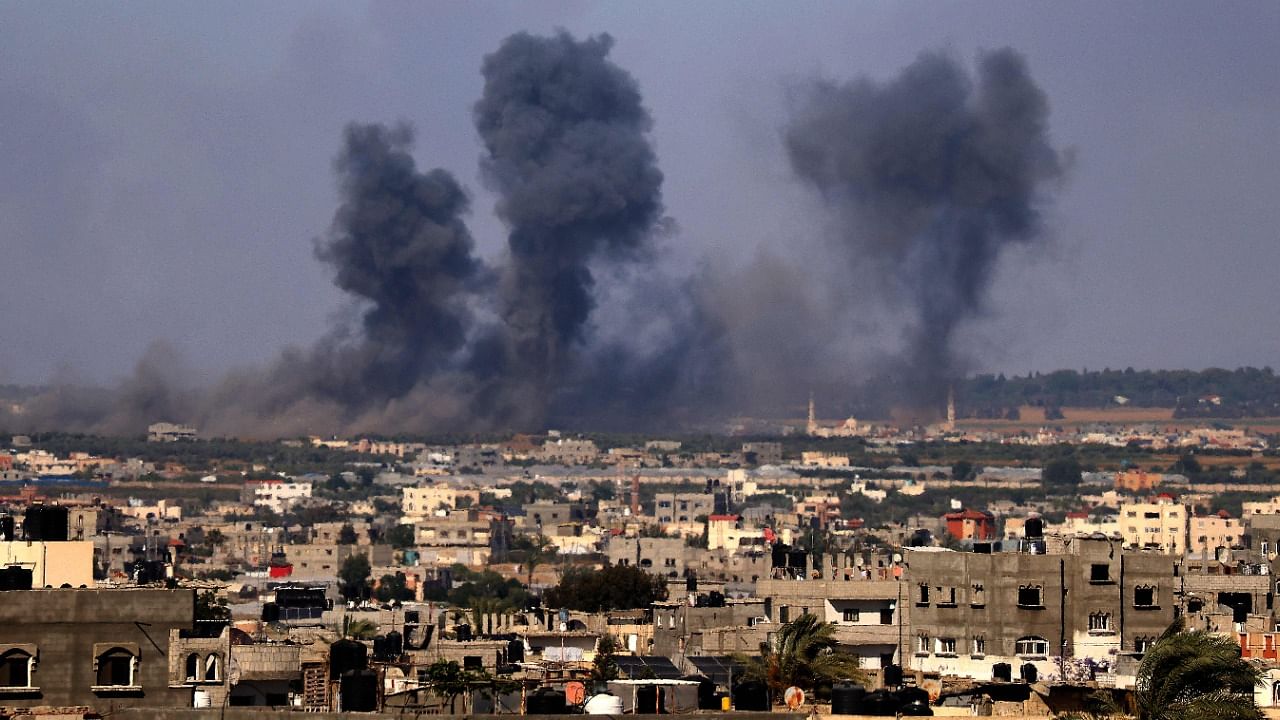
{"x":193,"y":667}
{"x":211,"y":667}
{"x":116,"y":667}
{"x":15,"y":668}
{"x":1032,"y":645}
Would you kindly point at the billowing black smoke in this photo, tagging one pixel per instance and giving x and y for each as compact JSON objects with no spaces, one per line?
{"x":568,"y":153}
{"x":398,"y":242}
{"x":932,"y":175}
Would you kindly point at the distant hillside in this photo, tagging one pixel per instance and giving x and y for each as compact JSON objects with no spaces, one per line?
{"x":1216,"y":393}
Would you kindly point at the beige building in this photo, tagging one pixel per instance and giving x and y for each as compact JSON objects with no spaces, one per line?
{"x":1215,"y":531}
{"x":1161,"y":524}
{"x":418,"y":503}
{"x":52,"y":564}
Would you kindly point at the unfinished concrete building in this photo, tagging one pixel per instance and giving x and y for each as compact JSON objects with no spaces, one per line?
{"x":1073,"y":614}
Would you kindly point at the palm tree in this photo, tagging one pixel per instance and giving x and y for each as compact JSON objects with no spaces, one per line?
{"x":1192,"y":675}
{"x":803,"y":653}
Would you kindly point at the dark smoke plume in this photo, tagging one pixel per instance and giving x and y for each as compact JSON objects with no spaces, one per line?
{"x":932,"y":175}
{"x":568,"y":152}
{"x":398,"y":242}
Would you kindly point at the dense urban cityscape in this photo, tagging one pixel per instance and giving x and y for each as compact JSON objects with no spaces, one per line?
{"x":365,"y":358}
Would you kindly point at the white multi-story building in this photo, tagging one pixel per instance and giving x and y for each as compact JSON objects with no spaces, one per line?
{"x":277,"y":495}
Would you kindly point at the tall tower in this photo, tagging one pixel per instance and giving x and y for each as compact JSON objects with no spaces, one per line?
{"x":951,"y":408}
{"x":813,"y":417}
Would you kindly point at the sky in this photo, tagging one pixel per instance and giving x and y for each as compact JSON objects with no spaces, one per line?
{"x":166,"y":167}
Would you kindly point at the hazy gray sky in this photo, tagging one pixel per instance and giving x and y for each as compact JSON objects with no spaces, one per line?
{"x":165,"y":166}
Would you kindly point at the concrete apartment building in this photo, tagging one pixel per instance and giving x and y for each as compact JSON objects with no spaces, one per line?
{"x":1160,"y":525}
{"x":1006,"y":615}
{"x":871,"y":616}
{"x":682,"y":510}
{"x":104,"y":649}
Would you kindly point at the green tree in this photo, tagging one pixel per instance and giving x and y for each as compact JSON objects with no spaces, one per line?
{"x":347,"y":535}
{"x":532,"y":551}
{"x":448,"y":680}
{"x":1192,"y":675}
{"x":1062,"y":474}
{"x":616,"y":587}
{"x":353,"y":576}
{"x":962,"y":470}
{"x":803,"y":653}
{"x":359,"y":629}
{"x":604,"y":667}
{"x":401,"y":536}
{"x":210,"y":607}
{"x":393,"y":587}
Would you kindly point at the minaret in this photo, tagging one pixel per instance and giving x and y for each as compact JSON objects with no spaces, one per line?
{"x":813,"y":417}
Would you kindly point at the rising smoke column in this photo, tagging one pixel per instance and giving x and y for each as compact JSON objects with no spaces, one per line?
{"x":397,"y":242}
{"x":931,"y":176}
{"x":567,"y":151}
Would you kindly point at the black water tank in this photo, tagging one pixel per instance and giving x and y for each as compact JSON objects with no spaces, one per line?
{"x":892,"y":675}
{"x":778,"y":556}
{"x":359,"y":691}
{"x":752,"y":696}
{"x":916,"y":709}
{"x":270,"y":612}
{"x":545,"y":701}
{"x":909,"y":695}
{"x":16,"y":578}
{"x":346,"y":655}
{"x":7,"y":528}
{"x":846,"y":699}
{"x":1034,"y":528}
{"x":796,"y":558}
{"x":691,"y":583}
{"x":515,"y":651}
{"x":463,"y":632}
{"x":380,"y":648}
{"x":395,"y":644}
{"x":1029,"y":673}
{"x":881,"y":702}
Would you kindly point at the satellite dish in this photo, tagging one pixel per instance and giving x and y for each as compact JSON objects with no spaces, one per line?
{"x":794,"y":697}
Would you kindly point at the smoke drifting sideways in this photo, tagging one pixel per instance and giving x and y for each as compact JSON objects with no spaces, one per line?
{"x":929,"y":178}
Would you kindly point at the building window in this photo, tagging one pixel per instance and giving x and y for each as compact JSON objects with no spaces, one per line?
{"x":1144,"y":596}
{"x":977,"y":594}
{"x":1142,"y":644}
{"x":1100,"y":621}
{"x":979,"y":646}
{"x":193,"y":667}
{"x":946,"y":646}
{"x":1099,"y":573}
{"x":211,"y":668}
{"x":947,"y":596}
{"x":116,"y":668}
{"x":923,"y":598}
{"x":886,"y":617}
{"x":15,"y":668}
{"x":1033,"y":646}
{"x":851,"y":616}
{"x":1030,"y":596}
{"x":922,"y":645}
